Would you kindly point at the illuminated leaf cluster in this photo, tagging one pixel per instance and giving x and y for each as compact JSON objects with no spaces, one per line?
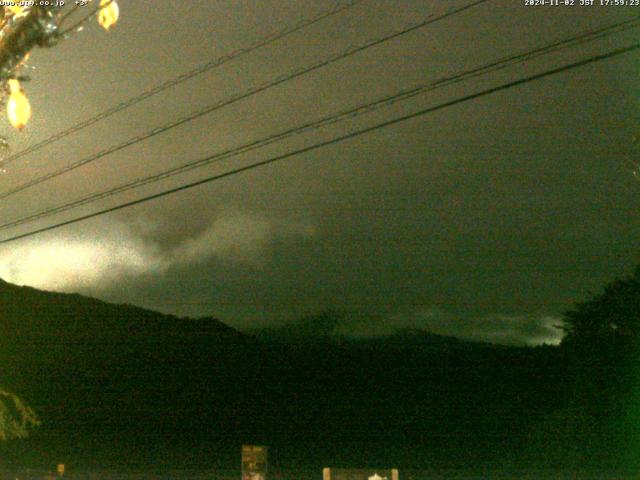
{"x":22,"y":28}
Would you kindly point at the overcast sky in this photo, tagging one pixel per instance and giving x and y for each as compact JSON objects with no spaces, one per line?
{"x":485,"y":220}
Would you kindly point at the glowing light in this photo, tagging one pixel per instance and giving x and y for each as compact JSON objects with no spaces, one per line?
{"x":18,"y":107}
{"x":16,"y":10}
{"x":108,"y":15}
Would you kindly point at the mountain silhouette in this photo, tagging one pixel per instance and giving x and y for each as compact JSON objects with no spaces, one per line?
{"x":121,"y":386}
{"x":33,"y":313}
{"x":361,"y":329}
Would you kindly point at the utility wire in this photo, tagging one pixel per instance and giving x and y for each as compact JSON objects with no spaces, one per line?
{"x":325,"y":121}
{"x":588,"y":36}
{"x":233,"y":99}
{"x":379,"y":126}
{"x":84,"y":19}
{"x":216,"y":62}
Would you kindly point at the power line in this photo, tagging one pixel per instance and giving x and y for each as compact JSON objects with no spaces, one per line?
{"x":231,"y":100}
{"x":330,"y":119}
{"x":588,"y":36}
{"x":335,"y":140}
{"x":217,"y":62}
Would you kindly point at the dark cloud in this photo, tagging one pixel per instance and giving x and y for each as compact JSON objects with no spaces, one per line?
{"x":500,"y":212}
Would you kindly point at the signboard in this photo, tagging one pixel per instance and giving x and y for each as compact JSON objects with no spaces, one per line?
{"x":60,"y":469}
{"x":360,"y":474}
{"x":254,"y":462}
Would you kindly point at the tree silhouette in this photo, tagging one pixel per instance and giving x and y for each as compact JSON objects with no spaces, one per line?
{"x":601,"y":348}
{"x":610,"y":319}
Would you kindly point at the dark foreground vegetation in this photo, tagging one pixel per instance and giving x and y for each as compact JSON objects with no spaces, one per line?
{"x":118,"y":387}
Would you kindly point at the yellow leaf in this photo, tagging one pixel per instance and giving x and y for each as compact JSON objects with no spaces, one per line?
{"x":16,"y":10}
{"x":18,"y":107}
{"x":108,"y":14}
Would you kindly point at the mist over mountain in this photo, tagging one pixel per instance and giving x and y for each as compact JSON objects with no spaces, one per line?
{"x":357,"y":328}
{"x":428,"y":326}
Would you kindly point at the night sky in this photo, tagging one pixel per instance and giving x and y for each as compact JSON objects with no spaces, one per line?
{"x":485,"y":220}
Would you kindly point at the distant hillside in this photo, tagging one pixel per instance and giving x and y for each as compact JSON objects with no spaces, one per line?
{"x":90,"y":367}
{"x":27,"y":312}
{"x":358,"y":329}
{"x":116,"y":385}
